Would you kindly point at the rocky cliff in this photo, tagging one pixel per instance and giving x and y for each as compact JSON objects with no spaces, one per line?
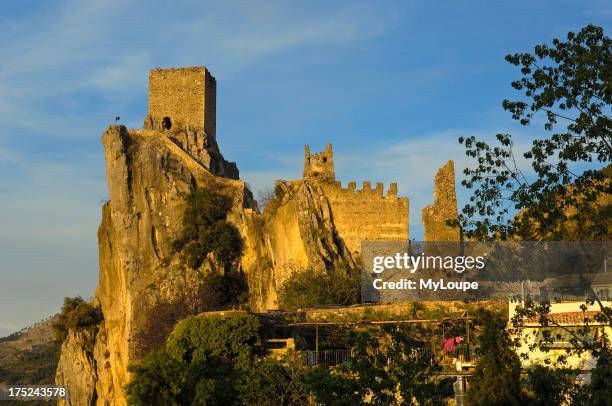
{"x":143,"y":286}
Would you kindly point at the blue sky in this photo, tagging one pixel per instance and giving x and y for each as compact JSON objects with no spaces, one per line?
{"x":391,"y":84}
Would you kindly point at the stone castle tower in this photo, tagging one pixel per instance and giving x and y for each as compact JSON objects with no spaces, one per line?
{"x":182,"y":98}
{"x":183,"y":106}
{"x":319,"y":166}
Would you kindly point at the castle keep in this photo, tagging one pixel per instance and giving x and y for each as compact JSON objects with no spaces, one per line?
{"x":182,"y":97}
{"x":183,"y":106}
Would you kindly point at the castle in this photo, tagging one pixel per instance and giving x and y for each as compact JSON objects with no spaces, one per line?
{"x":313,"y":223}
{"x":182,"y":104}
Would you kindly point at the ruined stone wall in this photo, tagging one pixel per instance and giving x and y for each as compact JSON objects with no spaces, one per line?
{"x":187,"y":96}
{"x":319,"y":166}
{"x":444,"y":208}
{"x":367,"y":214}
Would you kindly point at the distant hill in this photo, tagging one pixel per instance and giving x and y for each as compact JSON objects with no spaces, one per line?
{"x":29,"y":356}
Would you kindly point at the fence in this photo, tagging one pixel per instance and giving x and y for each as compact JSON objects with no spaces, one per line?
{"x":335,"y":357}
{"x":463,"y":354}
{"x":328,"y":357}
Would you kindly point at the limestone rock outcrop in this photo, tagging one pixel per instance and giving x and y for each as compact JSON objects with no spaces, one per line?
{"x":142,"y":289}
{"x":77,"y":368}
{"x":300,"y":232}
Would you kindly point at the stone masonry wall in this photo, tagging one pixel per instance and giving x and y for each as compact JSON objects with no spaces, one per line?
{"x":367,"y":214}
{"x":186,"y":95}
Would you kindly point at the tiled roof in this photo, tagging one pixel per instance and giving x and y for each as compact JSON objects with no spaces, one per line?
{"x":568,"y":318}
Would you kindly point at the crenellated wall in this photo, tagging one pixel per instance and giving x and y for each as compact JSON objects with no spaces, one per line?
{"x":367,"y":213}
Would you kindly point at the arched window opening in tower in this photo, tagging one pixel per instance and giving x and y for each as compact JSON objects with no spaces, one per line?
{"x":166,"y":123}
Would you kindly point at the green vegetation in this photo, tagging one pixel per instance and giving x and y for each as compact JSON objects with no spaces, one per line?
{"x":218,"y":292}
{"x":599,"y":391}
{"x":29,"y":357}
{"x":269,"y":382}
{"x":76,"y":314}
{"x":31,"y":367}
{"x":308,"y":288}
{"x":214,"y":360}
{"x":568,"y":85}
{"x":206,"y":230}
{"x":214,"y":338}
{"x":496,"y":380}
{"x":386,"y":369}
{"x":551,"y":387}
{"x":200,"y":364}
{"x":563,"y":197}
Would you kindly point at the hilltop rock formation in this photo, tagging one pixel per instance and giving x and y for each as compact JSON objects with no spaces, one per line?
{"x":143,"y":290}
{"x":144,"y":286}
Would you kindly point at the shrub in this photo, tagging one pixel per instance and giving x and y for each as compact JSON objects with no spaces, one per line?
{"x":206,"y":230}
{"x":308,"y":288}
{"x":199,"y":365}
{"x":383,"y":368}
{"x":76,"y":314}
{"x":551,"y":387}
{"x":270,"y":383}
{"x":218,"y":291}
{"x":496,"y":380}
{"x":214,"y":337}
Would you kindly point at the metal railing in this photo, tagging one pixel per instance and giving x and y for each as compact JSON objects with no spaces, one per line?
{"x":335,"y":357}
{"x":463,"y":354}
{"x":328,"y":357}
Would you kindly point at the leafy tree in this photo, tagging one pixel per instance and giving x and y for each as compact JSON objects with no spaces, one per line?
{"x":496,"y":380}
{"x":331,"y":387}
{"x":384,"y":370}
{"x":566,"y":194}
{"x":599,"y":391}
{"x":206,"y":230}
{"x":551,"y":387}
{"x":214,"y":338}
{"x":199,"y":365}
{"x":569,"y":83}
{"x":272,"y":383}
{"x":160,"y":379}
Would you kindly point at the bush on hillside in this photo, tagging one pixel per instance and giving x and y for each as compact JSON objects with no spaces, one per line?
{"x":76,"y":314}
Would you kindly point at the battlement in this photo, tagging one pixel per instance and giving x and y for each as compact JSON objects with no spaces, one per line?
{"x":319,"y":166}
{"x":182,"y":98}
{"x":367,"y":213}
{"x":336,"y":188}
